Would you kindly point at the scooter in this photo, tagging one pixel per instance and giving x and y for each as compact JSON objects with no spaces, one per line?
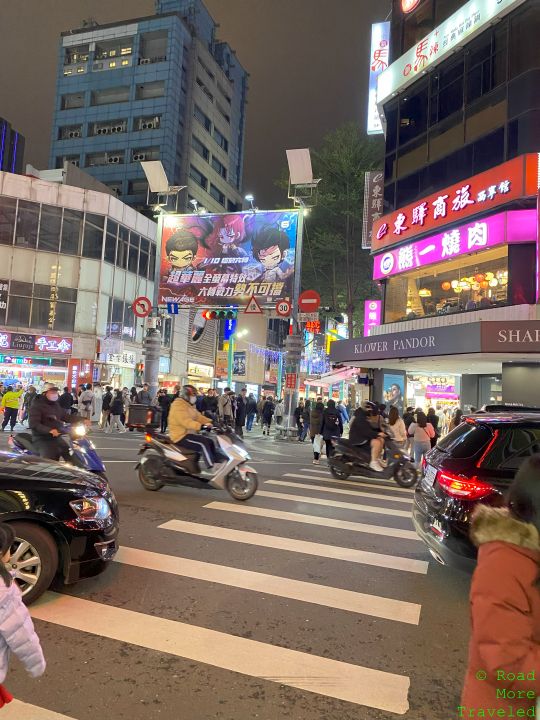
{"x":164,"y":463}
{"x":82,"y":450}
{"x":351,"y":459}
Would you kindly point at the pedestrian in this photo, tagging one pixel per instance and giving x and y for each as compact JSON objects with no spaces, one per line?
{"x":396,"y":427}
{"x":433,"y":418}
{"x":421,"y":431}
{"x":210,"y":404}
{"x":225,"y":407}
{"x":298,"y":418}
{"x":116,"y":410}
{"x":315,"y":429}
{"x":66,"y":399}
{"x":251,"y":411}
{"x":164,"y":402}
{"x":143,"y":396}
{"x":105,"y":407}
{"x":29,"y":397}
{"x":504,"y":648}
{"x":260,"y":406}
{"x":408,"y":418}
{"x":332,"y":426}
{"x":280,"y":412}
{"x":267,"y":414}
{"x":82,"y":388}
{"x":17,"y":633}
{"x":343,"y":412}
{"x":126,"y":400}
{"x":133,"y":395}
{"x":305,"y":419}
{"x":241,"y":412}
{"x":87,"y":403}
{"x":456,"y":419}
{"x":10,"y":402}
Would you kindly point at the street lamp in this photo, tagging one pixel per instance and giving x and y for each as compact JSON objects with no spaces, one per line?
{"x":230,"y":357}
{"x":251,"y":200}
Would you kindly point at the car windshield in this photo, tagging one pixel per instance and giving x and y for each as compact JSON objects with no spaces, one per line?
{"x":465,"y":440}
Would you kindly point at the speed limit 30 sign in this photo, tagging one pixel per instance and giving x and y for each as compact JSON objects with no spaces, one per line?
{"x":283,"y":308}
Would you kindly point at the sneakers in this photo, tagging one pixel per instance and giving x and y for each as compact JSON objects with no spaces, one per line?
{"x":375,"y":466}
{"x":316,"y":462}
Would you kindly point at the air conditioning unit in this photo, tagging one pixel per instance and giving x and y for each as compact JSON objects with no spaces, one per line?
{"x":138,"y":157}
{"x":103,"y":131}
{"x":113,"y":159}
{"x":74,"y":134}
{"x":118,"y":128}
{"x":148,"y":125}
{"x":144,"y":61}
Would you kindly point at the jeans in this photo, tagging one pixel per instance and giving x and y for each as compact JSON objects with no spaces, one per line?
{"x":250,"y":419}
{"x":420,"y":449}
{"x":304,"y":432}
{"x":10,"y":416}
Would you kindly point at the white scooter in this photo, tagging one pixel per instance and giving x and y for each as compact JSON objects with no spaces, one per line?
{"x":164,"y":463}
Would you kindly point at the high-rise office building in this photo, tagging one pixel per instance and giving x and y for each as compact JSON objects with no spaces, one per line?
{"x":11,"y":148}
{"x":153,"y":88}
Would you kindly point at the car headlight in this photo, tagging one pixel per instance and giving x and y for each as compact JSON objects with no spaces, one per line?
{"x":79,"y":430}
{"x":91,"y":509}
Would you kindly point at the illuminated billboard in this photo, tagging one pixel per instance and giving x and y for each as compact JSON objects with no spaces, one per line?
{"x":378,"y":62}
{"x":223,"y":260}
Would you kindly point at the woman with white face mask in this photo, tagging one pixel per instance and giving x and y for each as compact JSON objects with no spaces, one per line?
{"x":185,"y":420}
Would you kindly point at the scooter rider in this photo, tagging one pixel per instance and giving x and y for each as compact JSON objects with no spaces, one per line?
{"x":185,"y":420}
{"x":46,"y":419}
{"x":362,"y":429}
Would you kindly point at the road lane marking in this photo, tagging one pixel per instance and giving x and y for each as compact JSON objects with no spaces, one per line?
{"x":335,"y":552}
{"x":377,"y":484}
{"x":302,"y":499}
{"x":18,"y":710}
{"x":336,"y":491}
{"x":315,"y":520}
{"x":308,"y":592}
{"x":331,"y":678}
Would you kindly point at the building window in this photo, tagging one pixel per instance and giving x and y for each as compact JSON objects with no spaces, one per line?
{"x":18,"y":310}
{"x":143,"y":257}
{"x":413,"y":113}
{"x":233,"y":207}
{"x":200,"y":148}
{"x":223,"y":113}
{"x":147,"y":122}
{"x":217,"y":194}
{"x":199,"y":178}
{"x":447,"y":90}
{"x":137,"y":187}
{"x":108,"y":96}
{"x":76,"y":54}
{"x":73,"y":159}
{"x":205,"y":90}
{"x":152,"y":268}
{"x":71,"y":232}
{"x":110,"y":242}
{"x":123,"y":247}
{"x":219,"y":167}
{"x":111,"y":157}
{"x":70,"y":132}
{"x":93,"y":236}
{"x":49,"y":228}
{"x":224,"y":93}
{"x":150,"y":90}
{"x":113,"y":48}
{"x":143,"y":154}
{"x":72,"y":101}
{"x":108,"y":127}
{"x":133,"y":257}
{"x":202,"y":118}
{"x":27,"y":224}
{"x":8,"y":210}
{"x":206,"y":69}
{"x":221,"y":140}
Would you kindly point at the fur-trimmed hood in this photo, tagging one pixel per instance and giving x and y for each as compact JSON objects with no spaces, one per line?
{"x":490,"y":524}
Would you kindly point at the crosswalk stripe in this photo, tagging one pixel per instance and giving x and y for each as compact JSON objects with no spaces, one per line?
{"x":349,"y":600}
{"x":393,"y":562}
{"x":331,"y":678}
{"x":337,"y":491}
{"x":376,"y":484}
{"x":334,"y":503}
{"x":314,"y":520}
{"x":18,"y":710}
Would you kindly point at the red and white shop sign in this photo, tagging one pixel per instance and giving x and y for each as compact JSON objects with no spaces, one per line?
{"x":512,"y":180}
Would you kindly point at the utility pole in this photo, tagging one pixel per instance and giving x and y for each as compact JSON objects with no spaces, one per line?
{"x":152,"y":351}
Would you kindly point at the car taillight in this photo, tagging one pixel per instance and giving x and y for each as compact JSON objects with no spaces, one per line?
{"x":91,"y":509}
{"x":459,"y":486}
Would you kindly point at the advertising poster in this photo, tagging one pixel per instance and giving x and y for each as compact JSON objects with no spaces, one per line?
{"x":222,"y":260}
{"x":239,"y":363}
{"x":394,"y":391}
{"x":221,"y":364}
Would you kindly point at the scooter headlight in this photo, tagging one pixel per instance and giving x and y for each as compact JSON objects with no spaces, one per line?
{"x":79,"y":431}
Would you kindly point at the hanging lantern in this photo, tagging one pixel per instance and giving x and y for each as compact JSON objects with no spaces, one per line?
{"x":479,"y":278}
{"x":464,"y":286}
{"x":493,"y":282}
{"x":475,"y":286}
{"x":424,"y":292}
{"x":489,"y":276}
{"x":446,"y":285}
{"x":454,"y":284}
{"x":458,"y":289}
{"x":484,"y":284}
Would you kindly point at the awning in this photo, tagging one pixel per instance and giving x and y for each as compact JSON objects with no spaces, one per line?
{"x":344,"y":374}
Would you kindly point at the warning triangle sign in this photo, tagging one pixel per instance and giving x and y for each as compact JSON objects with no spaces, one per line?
{"x":253,"y":307}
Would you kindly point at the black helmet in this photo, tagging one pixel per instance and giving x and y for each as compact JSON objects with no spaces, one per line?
{"x":371,"y":408}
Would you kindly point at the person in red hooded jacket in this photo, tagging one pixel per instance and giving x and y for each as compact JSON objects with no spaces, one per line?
{"x":504,"y":653}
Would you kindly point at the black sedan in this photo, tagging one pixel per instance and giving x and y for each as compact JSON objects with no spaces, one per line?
{"x":475,"y":463}
{"x":65,"y":521}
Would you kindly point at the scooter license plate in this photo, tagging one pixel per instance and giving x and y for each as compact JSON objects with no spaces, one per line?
{"x":430,"y":475}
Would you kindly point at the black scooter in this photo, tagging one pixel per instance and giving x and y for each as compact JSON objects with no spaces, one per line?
{"x":349,"y":459}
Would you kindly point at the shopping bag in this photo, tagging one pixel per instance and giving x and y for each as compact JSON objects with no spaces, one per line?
{"x":317,"y":443}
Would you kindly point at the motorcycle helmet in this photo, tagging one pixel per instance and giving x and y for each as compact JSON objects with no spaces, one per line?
{"x":370,"y":408}
{"x":189,"y":394}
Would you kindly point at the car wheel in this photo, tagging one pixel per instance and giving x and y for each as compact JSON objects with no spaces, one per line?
{"x":34,"y":560}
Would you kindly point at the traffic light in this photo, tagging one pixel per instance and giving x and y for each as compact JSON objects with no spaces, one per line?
{"x":219,"y":314}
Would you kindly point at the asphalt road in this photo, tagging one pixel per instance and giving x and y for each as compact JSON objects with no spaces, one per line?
{"x":314,"y":600}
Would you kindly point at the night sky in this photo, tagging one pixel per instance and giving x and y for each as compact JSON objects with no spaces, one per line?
{"x":307,"y":59}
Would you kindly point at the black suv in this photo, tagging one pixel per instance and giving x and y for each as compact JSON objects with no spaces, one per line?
{"x":475,"y":463}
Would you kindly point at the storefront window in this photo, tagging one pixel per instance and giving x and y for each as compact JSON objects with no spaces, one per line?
{"x":425,"y":391}
{"x":449,"y":288}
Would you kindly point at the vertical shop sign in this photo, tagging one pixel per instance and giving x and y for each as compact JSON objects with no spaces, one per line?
{"x":373,"y":204}
{"x":372,"y":315}
{"x":4,"y":292}
{"x":378,"y":62}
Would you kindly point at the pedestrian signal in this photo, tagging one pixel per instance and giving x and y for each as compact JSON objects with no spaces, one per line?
{"x":219,"y":314}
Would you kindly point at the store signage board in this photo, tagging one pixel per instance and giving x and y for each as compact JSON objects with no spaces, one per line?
{"x":373,"y":204}
{"x":378,"y":62}
{"x":308,"y":316}
{"x":126,"y":359}
{"x":512,"y":180}
{"x":36,"y":343}
{"x":511,"y":227}
{"x":372,"y":315}
{"x":467,"y":22}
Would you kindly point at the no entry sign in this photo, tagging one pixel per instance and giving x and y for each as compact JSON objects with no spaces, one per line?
{"x":309,"y":301}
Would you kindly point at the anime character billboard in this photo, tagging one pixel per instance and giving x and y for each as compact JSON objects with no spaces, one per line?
{"x":226,"y":259}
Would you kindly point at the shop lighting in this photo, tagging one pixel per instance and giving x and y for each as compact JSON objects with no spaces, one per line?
{"x":493,"y":283}
{"x":424,"y":292}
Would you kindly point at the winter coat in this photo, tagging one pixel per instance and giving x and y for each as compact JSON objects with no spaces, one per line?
{"x":106,"y":401}
{"x":87,"y":401}
{"x":164,"y":402}
{"x":306,"y":414}
{"x":298,"y":413}
{"x":280,"y":409}
{"x":268,"y":411}
{"x":316,"y":420}
{"x":210,"y":404}
{"x":251,"y":406}
{"x":408,"y":418}
{"x":241,"y":411}
{"x":117,"y":406}
{"x":144,"y":397}
{"x":45,"y":415}
{"x":343,"y":412}
{"x":17,"y":633}
{"x":361,"y":429}
{"x":11,"y":399}
{"x":332,"y":426}
{"x":66,"y":400}
{"x":225,"y":407}
{"x":183,"y":419}
{"x":434,"y":420}
{"x":505,"y":610}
